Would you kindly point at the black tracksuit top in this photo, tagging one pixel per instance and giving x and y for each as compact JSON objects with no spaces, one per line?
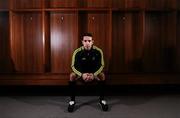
{"x":87,"y":61}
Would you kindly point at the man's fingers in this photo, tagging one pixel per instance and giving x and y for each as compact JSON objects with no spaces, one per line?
{"x":87,"y":77}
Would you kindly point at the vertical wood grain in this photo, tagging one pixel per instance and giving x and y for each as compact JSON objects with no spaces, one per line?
{"x":27,"y":42}
{"x":159,"y":51}
{"x":127,"y":42}
{"x":134,"y":4}
{"x":178,"y":42}
{"x":118,"y":49}
{"x":63,"y":27}
{"x":60,"y":3}
{"x":6,"y":64}
{"x":160,"y":4}
{"x":118,"y":4}
{"x":94,"y":3}
{"x":27,"y":4}
{"x":47,"y":42}
{"x":98,"y":3}
{"x":152,"y":49}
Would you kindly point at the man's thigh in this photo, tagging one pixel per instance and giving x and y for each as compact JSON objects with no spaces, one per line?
{"x":74,"y":77}
{"x":100,"y":77}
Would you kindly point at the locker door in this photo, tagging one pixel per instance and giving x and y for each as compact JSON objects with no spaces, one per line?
{"x":63,"y":27}
{"x":27,"y":42}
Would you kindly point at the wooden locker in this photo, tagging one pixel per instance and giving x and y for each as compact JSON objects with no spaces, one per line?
{"x":60,"y":3}
{"x":63,"y":34}
{"x":27,"y":4}
{"x":27,"y":42}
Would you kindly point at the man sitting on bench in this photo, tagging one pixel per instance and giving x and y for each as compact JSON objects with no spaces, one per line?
{"x":87,"y":65}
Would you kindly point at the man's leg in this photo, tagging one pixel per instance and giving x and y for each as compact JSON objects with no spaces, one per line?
{"x":72,"y":90}
{"x":101,"y":86}
{"x":72,"y":85}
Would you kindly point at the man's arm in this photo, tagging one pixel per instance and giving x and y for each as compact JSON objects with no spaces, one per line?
{"x":75,"y":64}
{"x":101,"y":62}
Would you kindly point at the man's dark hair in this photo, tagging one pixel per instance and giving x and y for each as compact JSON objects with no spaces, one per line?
{"x":87,"y":34}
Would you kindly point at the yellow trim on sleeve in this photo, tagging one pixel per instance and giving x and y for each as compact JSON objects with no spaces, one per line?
{"x":73,"y":61}
{"x":102,"y":61}
{"x":76,"y":71}
{"x":99,"y":70}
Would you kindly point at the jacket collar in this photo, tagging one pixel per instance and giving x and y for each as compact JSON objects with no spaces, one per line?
{"x":82,"y":47}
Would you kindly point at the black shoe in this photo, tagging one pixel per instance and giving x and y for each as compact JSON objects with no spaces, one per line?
{"x":103,"y":105}
{"x":71,"y":106}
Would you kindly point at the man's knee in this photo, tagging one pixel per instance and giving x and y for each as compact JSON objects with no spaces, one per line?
{"x":101,"y":77}
{"x":73,"y":76}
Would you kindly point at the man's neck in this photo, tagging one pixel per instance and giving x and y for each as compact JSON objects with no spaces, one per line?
{"x":87,"y":49}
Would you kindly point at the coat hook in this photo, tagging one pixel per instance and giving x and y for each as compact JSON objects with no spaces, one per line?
{"x":93,"y":18}
{"x":62,"y":18}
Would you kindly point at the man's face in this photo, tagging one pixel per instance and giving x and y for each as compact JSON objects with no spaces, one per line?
{"x":87,"y":42}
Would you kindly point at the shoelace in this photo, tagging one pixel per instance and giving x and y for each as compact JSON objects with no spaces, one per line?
{"x":71,"y":102}
{"x":103,"y":101}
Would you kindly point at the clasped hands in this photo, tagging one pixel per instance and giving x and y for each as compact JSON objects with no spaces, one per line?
{"x":88,"y":77}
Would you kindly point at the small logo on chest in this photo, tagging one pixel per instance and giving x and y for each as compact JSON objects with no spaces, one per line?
{"x":83,"y":58}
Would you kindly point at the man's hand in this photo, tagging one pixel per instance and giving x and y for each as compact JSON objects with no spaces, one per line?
{"x":91,"y":76}
{"x":84,"y":76}
{"x":87,"y":77}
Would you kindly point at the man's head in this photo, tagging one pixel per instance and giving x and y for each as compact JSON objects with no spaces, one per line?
{"x":87,"y":41}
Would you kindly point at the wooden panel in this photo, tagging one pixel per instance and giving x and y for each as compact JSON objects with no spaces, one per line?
{"x":133,"y":41}
{"x":160,"y":4}
{"x":4,"y":4}
{"x":82,"y":25}
{"x":47,"y":45}
{"x":34,"y":79}
{"x":144,"y":79}
{"x":134,"y":4}
{"x":178,"y":4}
{"x":152,"y":50}
{"x":126,"y":42}
{"x":117,"y":62}
{"x":60,"y":3}
{"x":178,"y":42}
{"x":44,"y":80}
{"x":63,"y":27}
{"x":128,"y":4}
{"x":6,"y":64}
{"x":94,"y":3}
{"x":118,"y":4}
{"x":27,"y":4}
{"x":169,"y":33}
{"x":159,"y":44}
{"x":27,"y":42}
